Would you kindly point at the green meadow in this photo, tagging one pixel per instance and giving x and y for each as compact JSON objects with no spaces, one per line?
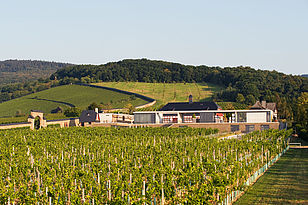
{"x":66,"y":96}
{"x":167,"y":92}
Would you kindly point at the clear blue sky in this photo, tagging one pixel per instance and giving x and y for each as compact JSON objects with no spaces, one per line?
{"x":264,"y":34}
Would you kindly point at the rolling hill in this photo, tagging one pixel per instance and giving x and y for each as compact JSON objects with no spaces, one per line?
{"x":67,"y":96}
{"x":167,"y":92}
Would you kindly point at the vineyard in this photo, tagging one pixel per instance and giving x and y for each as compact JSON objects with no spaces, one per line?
{"x":129,"y":166}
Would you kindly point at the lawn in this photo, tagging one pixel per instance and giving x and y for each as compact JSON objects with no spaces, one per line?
{"x":167,"y":92}
{"x":66,"y":96}
{"x":286,"y":182}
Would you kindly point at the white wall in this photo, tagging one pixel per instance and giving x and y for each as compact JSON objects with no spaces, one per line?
{"x":256,"y":117}
{"x":105,"y":117}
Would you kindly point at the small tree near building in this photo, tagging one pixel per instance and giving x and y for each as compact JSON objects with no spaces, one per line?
{"x":240,"y":98}
{"x":131,"y":108}
{"x":250,"y":99}
{"x":93,"y":105}
{"x":72,"y":112}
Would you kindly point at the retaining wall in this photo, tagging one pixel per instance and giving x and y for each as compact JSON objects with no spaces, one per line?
{"x":222,"y":127}
{"x":72,"y":122}
{"x":15,"y":125}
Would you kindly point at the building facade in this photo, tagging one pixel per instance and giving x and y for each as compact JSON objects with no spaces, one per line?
{"x":203,"y":116}
{"x":224,"y":120}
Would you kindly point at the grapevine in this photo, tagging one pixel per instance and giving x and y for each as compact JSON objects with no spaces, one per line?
{"x":129,"y":166}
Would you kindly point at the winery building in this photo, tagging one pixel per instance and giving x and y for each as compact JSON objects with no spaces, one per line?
{"x":208,"y":114}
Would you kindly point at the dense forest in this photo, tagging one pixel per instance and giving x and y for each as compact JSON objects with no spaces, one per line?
{"x":14,"y":71}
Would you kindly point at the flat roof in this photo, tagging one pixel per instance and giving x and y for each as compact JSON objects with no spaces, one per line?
{"x":197,"y":111}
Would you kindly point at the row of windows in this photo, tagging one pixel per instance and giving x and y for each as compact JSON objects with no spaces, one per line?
{"x":249,"y":128}
{"x":170,"y":119}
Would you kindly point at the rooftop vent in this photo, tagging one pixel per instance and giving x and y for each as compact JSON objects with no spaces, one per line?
{"x":190,"y":99}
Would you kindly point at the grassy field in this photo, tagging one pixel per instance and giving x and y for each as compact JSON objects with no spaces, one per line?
{"x":167,"y":92}
{"x":66,"y":96}
{"x":286,"y":182}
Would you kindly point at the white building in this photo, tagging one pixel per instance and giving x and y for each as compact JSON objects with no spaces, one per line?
{"x":203,"y":116}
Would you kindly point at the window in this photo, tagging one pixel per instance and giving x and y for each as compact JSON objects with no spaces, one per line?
{"x":241,"y":117}
{"x":188,"y":119}
{"x":145,"y":118}
{"x":264,"y":127}
{"x":235,"y":128}
{"x":171,"y":118}
{"x":250,"y":128}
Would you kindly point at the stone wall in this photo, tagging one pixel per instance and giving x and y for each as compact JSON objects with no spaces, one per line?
{"x":15,"y":125}
{"x":222,"y":127}
{"x":73,"y":122}
{"x":226,"y":127}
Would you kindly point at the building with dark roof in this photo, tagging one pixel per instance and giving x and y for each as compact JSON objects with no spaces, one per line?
{"x":264,"y":105}
{"x":189,"y":106}
{"x":87,"y":116}
{"x":197,"y":113}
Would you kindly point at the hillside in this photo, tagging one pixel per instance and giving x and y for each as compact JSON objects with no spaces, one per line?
{"x":14,"y":71}
{"x":67,"y":96}
{"x":167,"y":92}
{"x":243,"y":84}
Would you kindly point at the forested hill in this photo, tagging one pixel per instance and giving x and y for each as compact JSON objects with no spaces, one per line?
{"x":243,"y":84}
{"x":13,"y":71}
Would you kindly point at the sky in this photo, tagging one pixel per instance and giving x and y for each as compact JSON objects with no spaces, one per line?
{"x":263,"y":34}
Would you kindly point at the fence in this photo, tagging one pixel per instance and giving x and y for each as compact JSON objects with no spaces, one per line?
{"x":234,"y":195}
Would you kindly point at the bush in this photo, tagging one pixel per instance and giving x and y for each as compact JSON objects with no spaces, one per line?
{"x":92,"y":106}
{"x":72,"y":112}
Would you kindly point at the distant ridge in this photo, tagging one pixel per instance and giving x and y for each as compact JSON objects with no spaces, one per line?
{"x":15,"y":71}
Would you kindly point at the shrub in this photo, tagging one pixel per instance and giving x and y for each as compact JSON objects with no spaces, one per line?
{"x":72,"y":112}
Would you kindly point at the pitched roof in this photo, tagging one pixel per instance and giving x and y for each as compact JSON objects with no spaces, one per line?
{"x":257,"y":105}
{"x":263,"y":105}
{"x":271,"y":106}
{"x":88,"y":116}
{"x":186,"y":106}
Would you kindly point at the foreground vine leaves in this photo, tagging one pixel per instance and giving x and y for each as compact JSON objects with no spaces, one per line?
{"x":136,"y":165}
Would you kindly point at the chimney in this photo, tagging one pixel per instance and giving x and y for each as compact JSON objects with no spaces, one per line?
{"x":190,"y":99}
{"x":263,"y":104}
